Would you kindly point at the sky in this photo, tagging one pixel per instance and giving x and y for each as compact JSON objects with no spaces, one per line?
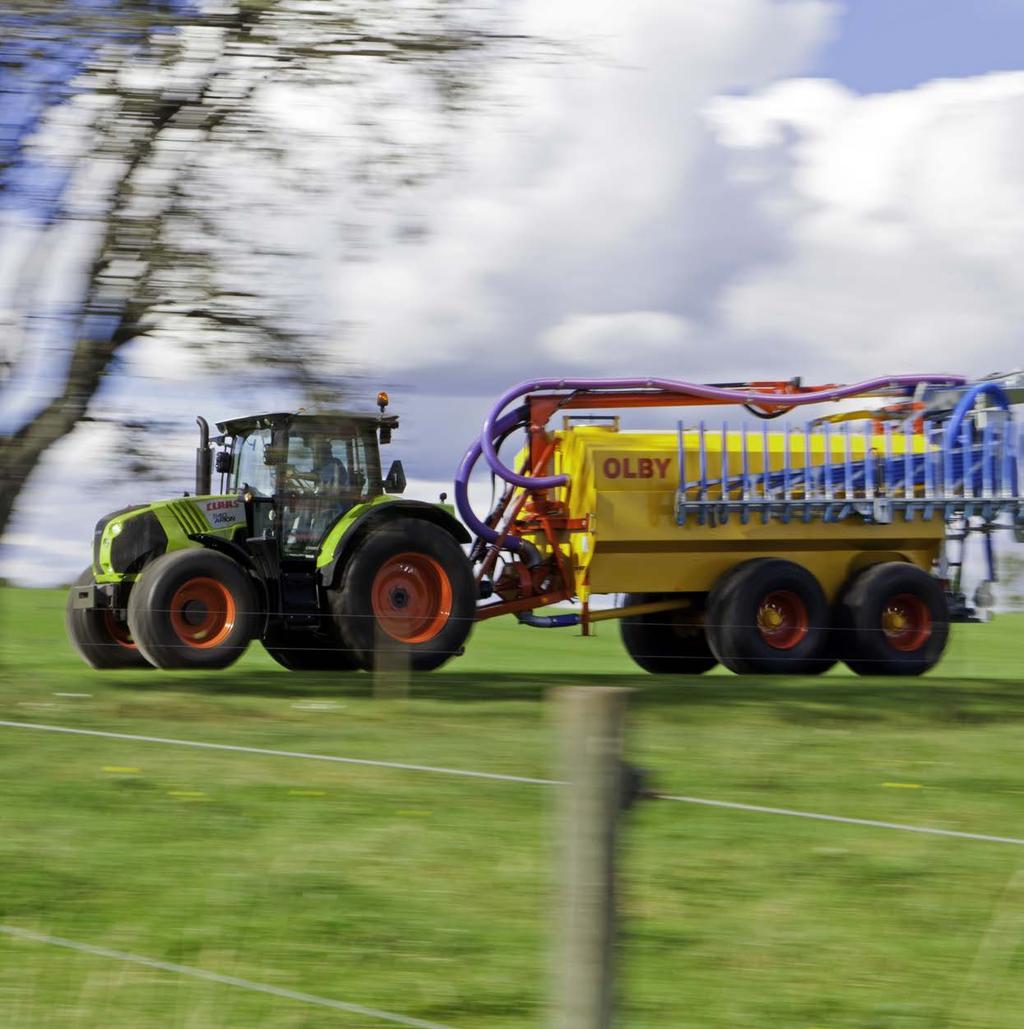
{"x":885,"y":45}
{"x":744,"y":189}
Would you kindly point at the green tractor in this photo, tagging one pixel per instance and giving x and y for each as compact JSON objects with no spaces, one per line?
{"x":306,"y":546}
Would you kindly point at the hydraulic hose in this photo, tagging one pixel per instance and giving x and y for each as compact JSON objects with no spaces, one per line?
{"x":547,"y":621}
{"x":494,"y":420}
{"x":964,"y":405}
{"x":502,"y":427}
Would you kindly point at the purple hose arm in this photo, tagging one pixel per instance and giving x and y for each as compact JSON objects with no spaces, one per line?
{"x":493,"y":422}
{"x":501,"y":426}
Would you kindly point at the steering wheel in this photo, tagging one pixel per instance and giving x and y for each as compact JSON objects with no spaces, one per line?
{"x":298,"y":482}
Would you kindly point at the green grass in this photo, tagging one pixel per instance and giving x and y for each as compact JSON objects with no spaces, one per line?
{"x":433,"y":896}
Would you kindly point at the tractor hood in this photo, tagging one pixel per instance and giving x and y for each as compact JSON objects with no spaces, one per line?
{"x":126,"y":540}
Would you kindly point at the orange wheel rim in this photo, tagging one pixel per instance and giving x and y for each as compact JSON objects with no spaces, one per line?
{"x":906,"y":622}
{"x":782,"y":619}
{"x":118,"y":631}
{"x":202,"y":613}
{"x":411,"y":598}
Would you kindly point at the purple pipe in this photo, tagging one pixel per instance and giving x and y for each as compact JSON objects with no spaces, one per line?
{"x":492,"y":423}
{"x":507,"y":423}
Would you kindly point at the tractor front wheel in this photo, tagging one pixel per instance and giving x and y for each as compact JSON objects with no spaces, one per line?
{"x":100,"y":637}
{"x":407,"y":595}
{"x":193,"y":609}
{"x":667,"y":642}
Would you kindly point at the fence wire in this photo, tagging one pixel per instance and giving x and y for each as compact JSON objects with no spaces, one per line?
{"x":192,"y":972}
{"x":468,"y":773}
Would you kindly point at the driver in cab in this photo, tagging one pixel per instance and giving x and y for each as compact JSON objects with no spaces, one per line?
{"x":332,"y":476}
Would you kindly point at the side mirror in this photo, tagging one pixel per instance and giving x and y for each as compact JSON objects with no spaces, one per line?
{"x":395,"y":481}
{"x":223,"y":462}
{"x":385,"y":434}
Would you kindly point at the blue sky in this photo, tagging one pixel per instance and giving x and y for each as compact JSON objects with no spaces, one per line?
{"x":736,"y":189}
{"x":882,"y":45}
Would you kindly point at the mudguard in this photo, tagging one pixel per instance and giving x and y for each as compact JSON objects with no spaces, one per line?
{"x":354,"y":525}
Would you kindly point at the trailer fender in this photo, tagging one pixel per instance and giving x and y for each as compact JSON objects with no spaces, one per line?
{"x":351,"y":528}
{"x":866,"y":558}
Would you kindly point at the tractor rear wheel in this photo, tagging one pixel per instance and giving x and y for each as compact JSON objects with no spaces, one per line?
{"x":666,"y":642}
{"x":894,"y":620}
{"x":408,"y":592}
{"x":193,"y":609}
{"x":770,"y":617}
{"x":101,"y":639}
{"x":310,"y":652}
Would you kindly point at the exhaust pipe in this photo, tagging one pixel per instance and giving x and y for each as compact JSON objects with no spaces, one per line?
{"x":204,"y":459}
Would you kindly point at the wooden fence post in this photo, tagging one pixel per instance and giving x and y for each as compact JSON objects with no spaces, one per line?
{"x":592,"y":721}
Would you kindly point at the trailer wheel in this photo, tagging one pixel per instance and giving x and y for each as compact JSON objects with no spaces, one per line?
{"x":666,"y":642}
{"x":894,"y":619}
{"x":408,"y":589}
{"x":310,"y":652}
{"x":193,"y":609}
{"x":770,"y":617}
{"x":101,"y":639}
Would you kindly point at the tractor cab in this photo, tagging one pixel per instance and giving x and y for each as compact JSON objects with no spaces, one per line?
{"x":301,"y":472}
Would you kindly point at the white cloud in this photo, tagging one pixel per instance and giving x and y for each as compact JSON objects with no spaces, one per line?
{"x":618,"y":343}
{"x":164,"y":358}
{"x":901,"y":219}
{"x":597,"y":192}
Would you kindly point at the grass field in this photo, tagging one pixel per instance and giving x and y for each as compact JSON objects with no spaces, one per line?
{"x":431,"y":896}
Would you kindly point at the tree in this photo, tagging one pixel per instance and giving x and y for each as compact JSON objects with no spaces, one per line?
{"x":120,"y":123}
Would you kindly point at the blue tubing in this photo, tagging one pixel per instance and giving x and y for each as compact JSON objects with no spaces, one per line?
{"x":547,"y":621}
{"x":964,"y":405}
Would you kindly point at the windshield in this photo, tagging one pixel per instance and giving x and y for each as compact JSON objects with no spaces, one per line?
{"x":314,"y":470}
{"x":334,"y":462}
{"x":310,"y":460}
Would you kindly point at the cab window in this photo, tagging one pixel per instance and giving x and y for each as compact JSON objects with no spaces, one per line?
{"x":251,"y":468}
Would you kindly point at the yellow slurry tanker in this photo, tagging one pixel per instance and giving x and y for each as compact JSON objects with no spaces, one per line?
{"x":764,"y":549}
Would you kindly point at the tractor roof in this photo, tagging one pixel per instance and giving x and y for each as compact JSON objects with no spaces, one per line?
{"x":237,"y":426}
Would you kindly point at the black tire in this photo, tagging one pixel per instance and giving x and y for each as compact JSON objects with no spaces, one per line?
{"x":407,"y":595}
{"x":894,"y":620}
{"x":101,"y":640}
{"x":310,"y":652}
{"x":770,"y":617}
{"x":193,"y":609}
{"x":666,"y":642}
